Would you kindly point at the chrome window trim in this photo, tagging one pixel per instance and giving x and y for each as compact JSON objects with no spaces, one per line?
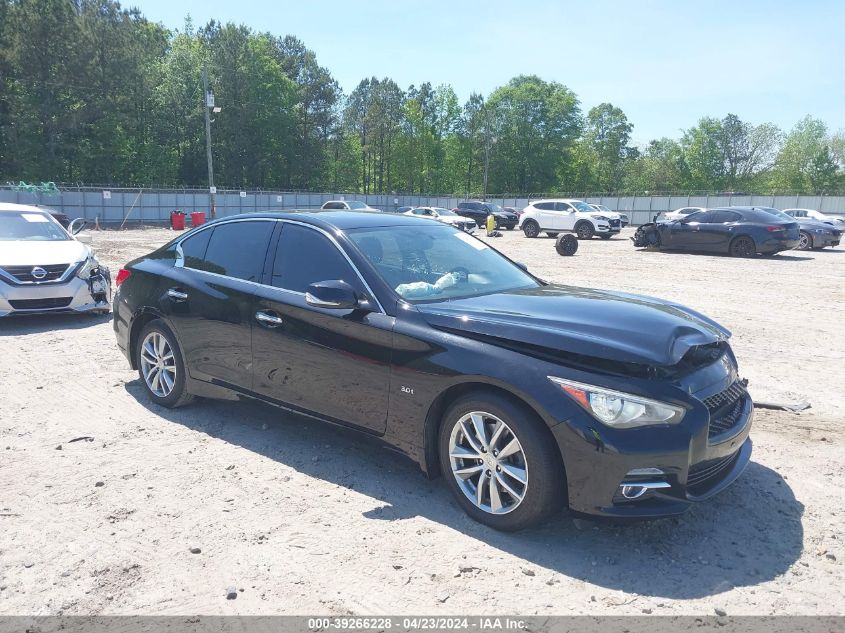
{"x":180,"y":258}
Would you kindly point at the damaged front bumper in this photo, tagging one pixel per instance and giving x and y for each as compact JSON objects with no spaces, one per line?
{"x":74,"y":294}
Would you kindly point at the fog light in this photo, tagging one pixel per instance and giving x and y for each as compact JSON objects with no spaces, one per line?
{"x":633,"y":492}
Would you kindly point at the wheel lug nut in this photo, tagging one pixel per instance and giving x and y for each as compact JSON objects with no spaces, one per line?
{"x":498,"y":469}
{"x":489,"y":474}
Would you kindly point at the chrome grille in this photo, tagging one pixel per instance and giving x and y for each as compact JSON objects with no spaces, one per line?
{"x":23,"y":274}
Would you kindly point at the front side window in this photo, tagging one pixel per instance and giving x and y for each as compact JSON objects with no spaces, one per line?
{"x":30,"y":227}
{"x":435,"y":263}
{"x":305,"y":256}
{"x":562,"y":206}
{"x":235,"y":249}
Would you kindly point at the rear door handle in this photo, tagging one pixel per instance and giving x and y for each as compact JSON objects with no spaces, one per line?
{"x":177,"y":295}
{"x":269,"y":319}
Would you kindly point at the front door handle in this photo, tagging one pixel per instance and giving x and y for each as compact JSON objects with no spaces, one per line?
{"x":177,"y":295}
{"x":270,"y":319}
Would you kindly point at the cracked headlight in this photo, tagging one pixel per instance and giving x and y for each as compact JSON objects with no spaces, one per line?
{"x":90,"y":265}
{"x":617,"y":409}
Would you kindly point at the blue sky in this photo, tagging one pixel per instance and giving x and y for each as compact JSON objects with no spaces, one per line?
{"x":664,"y":63}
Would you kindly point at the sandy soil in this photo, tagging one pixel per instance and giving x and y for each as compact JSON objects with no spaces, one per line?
{"x":301,"y":518}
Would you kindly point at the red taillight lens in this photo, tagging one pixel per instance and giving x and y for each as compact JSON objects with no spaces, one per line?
{"x":122,"y":275}
{"x":774,"y":229}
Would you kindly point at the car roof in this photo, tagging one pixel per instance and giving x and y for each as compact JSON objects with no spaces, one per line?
{"x":559,"y":200}
{"x":28,"y":208}
{"x":332,"y":219}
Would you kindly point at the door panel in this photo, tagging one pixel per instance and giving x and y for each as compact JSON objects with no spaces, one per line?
{"x":210,"y":299}
{"x":335,"y":363}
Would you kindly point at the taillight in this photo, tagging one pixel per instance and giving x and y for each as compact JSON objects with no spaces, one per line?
{"x":773,"y":229}
{"x":122,"y":275}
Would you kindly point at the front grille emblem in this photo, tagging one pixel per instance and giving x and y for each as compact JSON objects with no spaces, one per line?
{"x":38,"y":273}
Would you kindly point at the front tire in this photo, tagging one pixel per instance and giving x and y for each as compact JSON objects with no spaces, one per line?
{"x":531,"y":228}
{"x":500,"y":462}
{"x":805,"y":241}
{"x":160,"y":366}
{"x":584,"y":231}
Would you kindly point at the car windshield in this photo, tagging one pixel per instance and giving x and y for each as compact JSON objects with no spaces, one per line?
{"x":493,"y":207}
{"x":601,"y":207}
{"x":30,"y":227}
{"x":582,"y":206}
{"x":357,"y":205}
{"x":437,"y":263}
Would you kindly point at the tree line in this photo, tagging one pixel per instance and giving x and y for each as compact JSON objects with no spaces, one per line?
{"x":91,"y":92}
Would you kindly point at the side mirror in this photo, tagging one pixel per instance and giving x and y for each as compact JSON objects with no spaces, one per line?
{"x":522,"y":265}
{"x":77,"y":225}
{"x":334,"y":295}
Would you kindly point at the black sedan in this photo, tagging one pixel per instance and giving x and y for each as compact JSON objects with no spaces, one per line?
{"x":479,"y":211}
{"x":526,"y":396}
{"x":738,"y":231}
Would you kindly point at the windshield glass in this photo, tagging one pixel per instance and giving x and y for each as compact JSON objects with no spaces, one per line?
{"x":602,"y":207}
{"x":582,"y":206}
{"x":436,"y":263}
{"x":493,"y":207}
{"x":29,"y":227}
{"x":357,"y":205}
{"x":445,"y":212}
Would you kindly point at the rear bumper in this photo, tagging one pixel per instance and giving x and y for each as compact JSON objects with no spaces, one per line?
{"x":775,"y":245}
{"x":73,"y":295}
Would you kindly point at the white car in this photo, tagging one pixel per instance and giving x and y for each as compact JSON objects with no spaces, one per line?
{"x":839,"y":223}
{"x":45,"y":268}
{"x":348,"y":205}
{"x":446,"y":216}
{"x":567,"y":215}
{"x":611,"y":214}
{"x":681,"y":213}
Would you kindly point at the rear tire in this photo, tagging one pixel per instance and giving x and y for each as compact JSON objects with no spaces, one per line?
{"x":160,"y":366}
{"x":584,"y":230}
{"x":743,"y":246}
{"x":805,"y":241}
{"x":533,"y":457}
{"x":531,"y":228}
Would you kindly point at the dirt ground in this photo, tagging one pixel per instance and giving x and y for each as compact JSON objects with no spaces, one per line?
{"x":302,"y":518}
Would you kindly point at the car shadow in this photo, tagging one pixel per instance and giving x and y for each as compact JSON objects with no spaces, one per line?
{"x":750,"y":534}
{"x":784,"y":256}
{"x":38,"y":323}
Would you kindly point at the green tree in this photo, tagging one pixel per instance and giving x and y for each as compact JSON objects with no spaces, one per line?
{"x":604,"y":148}
{"x":801,"y":148}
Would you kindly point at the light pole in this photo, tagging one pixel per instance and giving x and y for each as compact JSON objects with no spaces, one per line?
{"x":208,"y":104}
{"x":487,"y":142}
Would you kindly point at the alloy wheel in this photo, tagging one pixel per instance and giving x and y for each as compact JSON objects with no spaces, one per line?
{"x":804,"y":242}
{"x":488,"y":462}
{"x":158,"y":364}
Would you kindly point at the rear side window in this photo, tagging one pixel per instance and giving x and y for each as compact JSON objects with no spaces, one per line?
{"x":193,"y":248}
{"x":545,"y":206}
{"x":305,"y":256}
{"x":236,"y":249}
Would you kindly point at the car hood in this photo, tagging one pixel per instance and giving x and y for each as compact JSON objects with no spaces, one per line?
{"x":504,"y":214}
{"x":39,"y":253}
{"x":598,"y":323}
